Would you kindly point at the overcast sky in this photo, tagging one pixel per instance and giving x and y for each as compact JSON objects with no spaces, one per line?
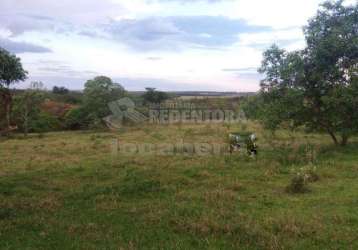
{"x":168,"y":44}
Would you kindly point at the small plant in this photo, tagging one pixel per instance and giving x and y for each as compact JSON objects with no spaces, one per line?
{"x":310,"y":173}
{"x":305,"y":175}
{"x":298,"y":185}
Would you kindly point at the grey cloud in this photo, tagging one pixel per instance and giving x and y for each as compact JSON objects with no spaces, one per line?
{"x":262,"y":46}
{"x":176,"y":32}
{"x":154,"y":58}
{"x":58,"y":67}
{"x":191,"y":1}
{"x":89,"y":33}
{"x":248,"y":70}
{"x":21,"y":16}
{"x":92,"y":18}
{"x":147,"y":34}
{"x":19,"y":23}
{"x":250,"y":76}
{"x":248,"y":73}
{"x":38,"y":17}
{"x":21,"y":47}
{"x":63,"y":69}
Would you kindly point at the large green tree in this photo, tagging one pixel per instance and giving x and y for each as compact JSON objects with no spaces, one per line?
{"x":98,"y":93}
{"x":11,"y":71}
{"x":153,"y":96}
{"x":318,"y":86}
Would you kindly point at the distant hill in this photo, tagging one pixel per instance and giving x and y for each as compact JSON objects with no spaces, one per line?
{"x":202,"y":93}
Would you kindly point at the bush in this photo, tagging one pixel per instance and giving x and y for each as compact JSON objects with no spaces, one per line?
{"x":310,"y":173}
{"x":44,"y":123}
{"x":77,"y":119}
{"x":298,"y":185}
{"x":81,"y":118}
{"x":305,"y":175}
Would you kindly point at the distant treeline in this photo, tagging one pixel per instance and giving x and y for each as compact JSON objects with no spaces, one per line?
{"x":39,"y":110}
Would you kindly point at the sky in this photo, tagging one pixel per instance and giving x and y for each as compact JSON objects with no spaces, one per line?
{"x":172,"y":45}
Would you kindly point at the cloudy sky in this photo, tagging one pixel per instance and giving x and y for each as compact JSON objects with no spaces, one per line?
{"x":168,"y":44}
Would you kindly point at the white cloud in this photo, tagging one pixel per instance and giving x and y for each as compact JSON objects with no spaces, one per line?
{"x":275,"y":13}
{"x":284,"y":37}
{"x":74,"y":31}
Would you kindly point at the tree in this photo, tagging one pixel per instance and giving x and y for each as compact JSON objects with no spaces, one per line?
{"x":27,"y":106}
{"x":153,"y":96}
{"x":60,"y":90}
{"x":318,"y":86}
{"x":98,"y":93}
{"x":11,"y":71}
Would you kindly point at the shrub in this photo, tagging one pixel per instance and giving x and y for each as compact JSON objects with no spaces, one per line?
{"x":44,"y":123}
{"x":77,"y":118}
{"x":298,"y":185}
{"x":305,"y":175}
{"x":310,"y":173}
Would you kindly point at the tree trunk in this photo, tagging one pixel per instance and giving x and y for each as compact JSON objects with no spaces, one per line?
{"x":7,"y":111}
{"x":7,"y":106}
{"x":333,"y":136}
{"x":26,"y":120}
{"x":344,"y":140}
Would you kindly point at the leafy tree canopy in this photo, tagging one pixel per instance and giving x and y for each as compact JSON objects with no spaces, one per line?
{"x":98,"y":93}
{"x":318,"y":86}
{"x":153,"y":96}
{"x":11,"y":71}
{"x":60,"y":90}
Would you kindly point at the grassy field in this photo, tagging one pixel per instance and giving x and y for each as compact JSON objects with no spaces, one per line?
{"x":67,"y":190}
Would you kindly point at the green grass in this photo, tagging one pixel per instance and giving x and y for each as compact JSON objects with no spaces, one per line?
{"x":67,"y":191}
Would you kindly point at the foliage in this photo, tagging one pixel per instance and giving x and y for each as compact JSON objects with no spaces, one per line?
{"x":297,"y":185}
{"x":60,"y":90}
{"x":317,"y":86}
{"x":72,"y":97}
{"x":44,"y":122}
{"x":154,"y":97}
{"x":252,"y":105}
{"x":305,"y":175}
{"x":11,"y":71}
{"x":98,"y":93}
{"x":77,"y":118}
{"x":56,"y":109}
{"x":29,"y":114}
{"x":27,"y":107}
